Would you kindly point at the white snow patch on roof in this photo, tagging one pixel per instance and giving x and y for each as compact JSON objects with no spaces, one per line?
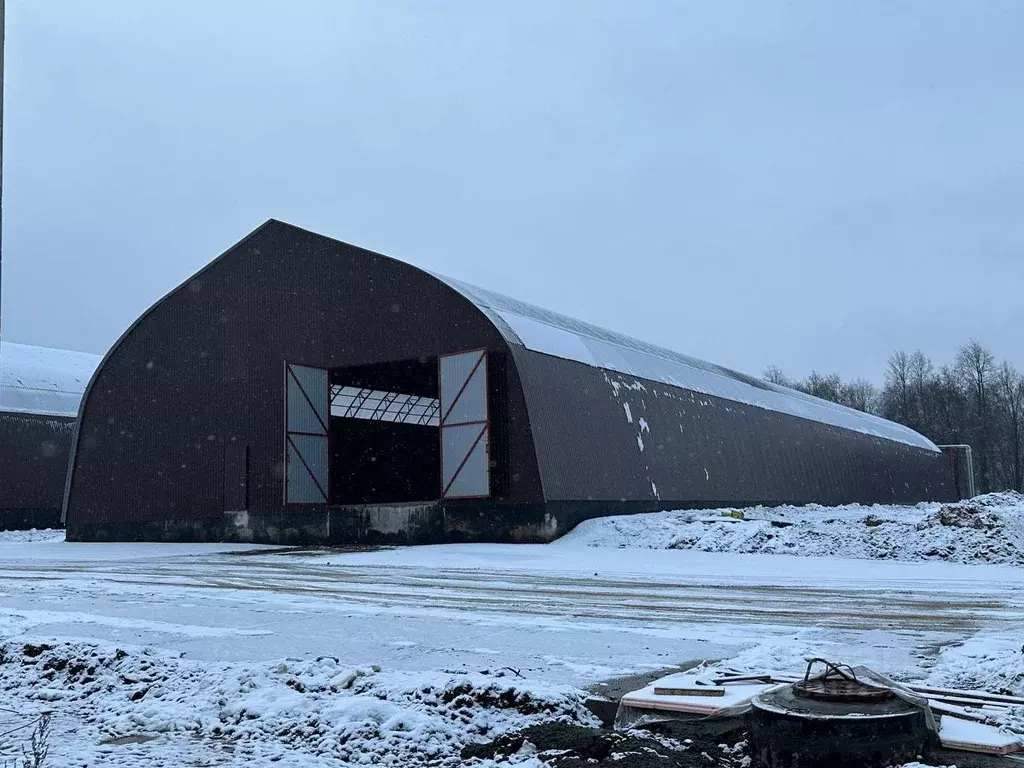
{"x":551,"y":333}
{"x":43,"y":380}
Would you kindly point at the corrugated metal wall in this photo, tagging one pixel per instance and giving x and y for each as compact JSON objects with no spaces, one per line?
{"x":605,"y":436}
{"x":33,"y":460}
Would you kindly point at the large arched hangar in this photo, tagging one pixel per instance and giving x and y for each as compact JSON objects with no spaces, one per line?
{"x":300,"y":389}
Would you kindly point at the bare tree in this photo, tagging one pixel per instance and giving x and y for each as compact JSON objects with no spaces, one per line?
{"x":949,"y":405}
{"x":774,"y":375}
{"x":826,"y":386}
{"x":860,"y":394}
{"x":921,"y":371}
{"x":976,"y":366}
{"x":1010,"y":388}
{"x":898,"y":388}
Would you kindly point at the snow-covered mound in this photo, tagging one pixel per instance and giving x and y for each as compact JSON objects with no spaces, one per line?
{"x":986,"y":529}
{"x":44,"y":534}
{"x":148,"y":708}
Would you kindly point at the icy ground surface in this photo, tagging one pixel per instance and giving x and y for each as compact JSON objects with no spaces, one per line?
{"x":986,"y":529}
{"x":240,"y":655}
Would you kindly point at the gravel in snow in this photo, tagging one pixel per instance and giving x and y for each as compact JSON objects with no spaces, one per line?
{"x":986,"y":529}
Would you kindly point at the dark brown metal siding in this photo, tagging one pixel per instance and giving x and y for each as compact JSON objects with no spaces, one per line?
{"x":33,"y":460}
{"x":203,"y":370}
{"x":702,"y":449}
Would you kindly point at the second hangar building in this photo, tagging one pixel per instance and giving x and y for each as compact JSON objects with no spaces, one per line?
{"x":299,"y":389}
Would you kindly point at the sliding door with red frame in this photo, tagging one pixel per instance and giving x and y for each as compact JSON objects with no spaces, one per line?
{"x":465,"y":426}
{"x":307,"y":420}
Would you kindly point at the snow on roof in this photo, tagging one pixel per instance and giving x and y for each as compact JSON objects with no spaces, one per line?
{"x":542,"y":330}
{"x":43,"y":380}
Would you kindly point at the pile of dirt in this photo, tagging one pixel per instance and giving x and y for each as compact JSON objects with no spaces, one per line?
{"x":981,"y":513}
{"x":563,"y":745}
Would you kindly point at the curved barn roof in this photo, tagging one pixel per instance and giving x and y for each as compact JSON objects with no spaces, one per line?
{"x":43,"y":380}
{"x":542,"y":330}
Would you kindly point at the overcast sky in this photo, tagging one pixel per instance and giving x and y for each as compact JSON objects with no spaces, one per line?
{"x":810,"y":184}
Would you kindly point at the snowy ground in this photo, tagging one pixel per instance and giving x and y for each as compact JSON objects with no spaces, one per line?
{"x":234,"y":655}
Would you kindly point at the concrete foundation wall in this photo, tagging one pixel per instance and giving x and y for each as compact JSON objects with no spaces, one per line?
{"x":377,"y":524}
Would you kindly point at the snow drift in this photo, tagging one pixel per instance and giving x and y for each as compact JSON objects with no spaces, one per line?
{"x":986,"y":529}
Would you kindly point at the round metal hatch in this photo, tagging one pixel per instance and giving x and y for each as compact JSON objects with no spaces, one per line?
{"x":838,"y":684}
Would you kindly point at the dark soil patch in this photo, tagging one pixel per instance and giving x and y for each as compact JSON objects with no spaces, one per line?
{"x":667,"y":745}
{"x":584,"y":742}
{"x":967,"y":515}
{"x":573,"y":746}
{"x":466,"y":695}
{"x":32,"y":651}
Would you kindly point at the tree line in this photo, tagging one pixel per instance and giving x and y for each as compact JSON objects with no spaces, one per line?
{"x":974,"y":399}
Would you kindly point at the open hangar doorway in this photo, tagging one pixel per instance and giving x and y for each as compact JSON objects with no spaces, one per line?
{"x":402,"y":432}
{"x":384,"y":441}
